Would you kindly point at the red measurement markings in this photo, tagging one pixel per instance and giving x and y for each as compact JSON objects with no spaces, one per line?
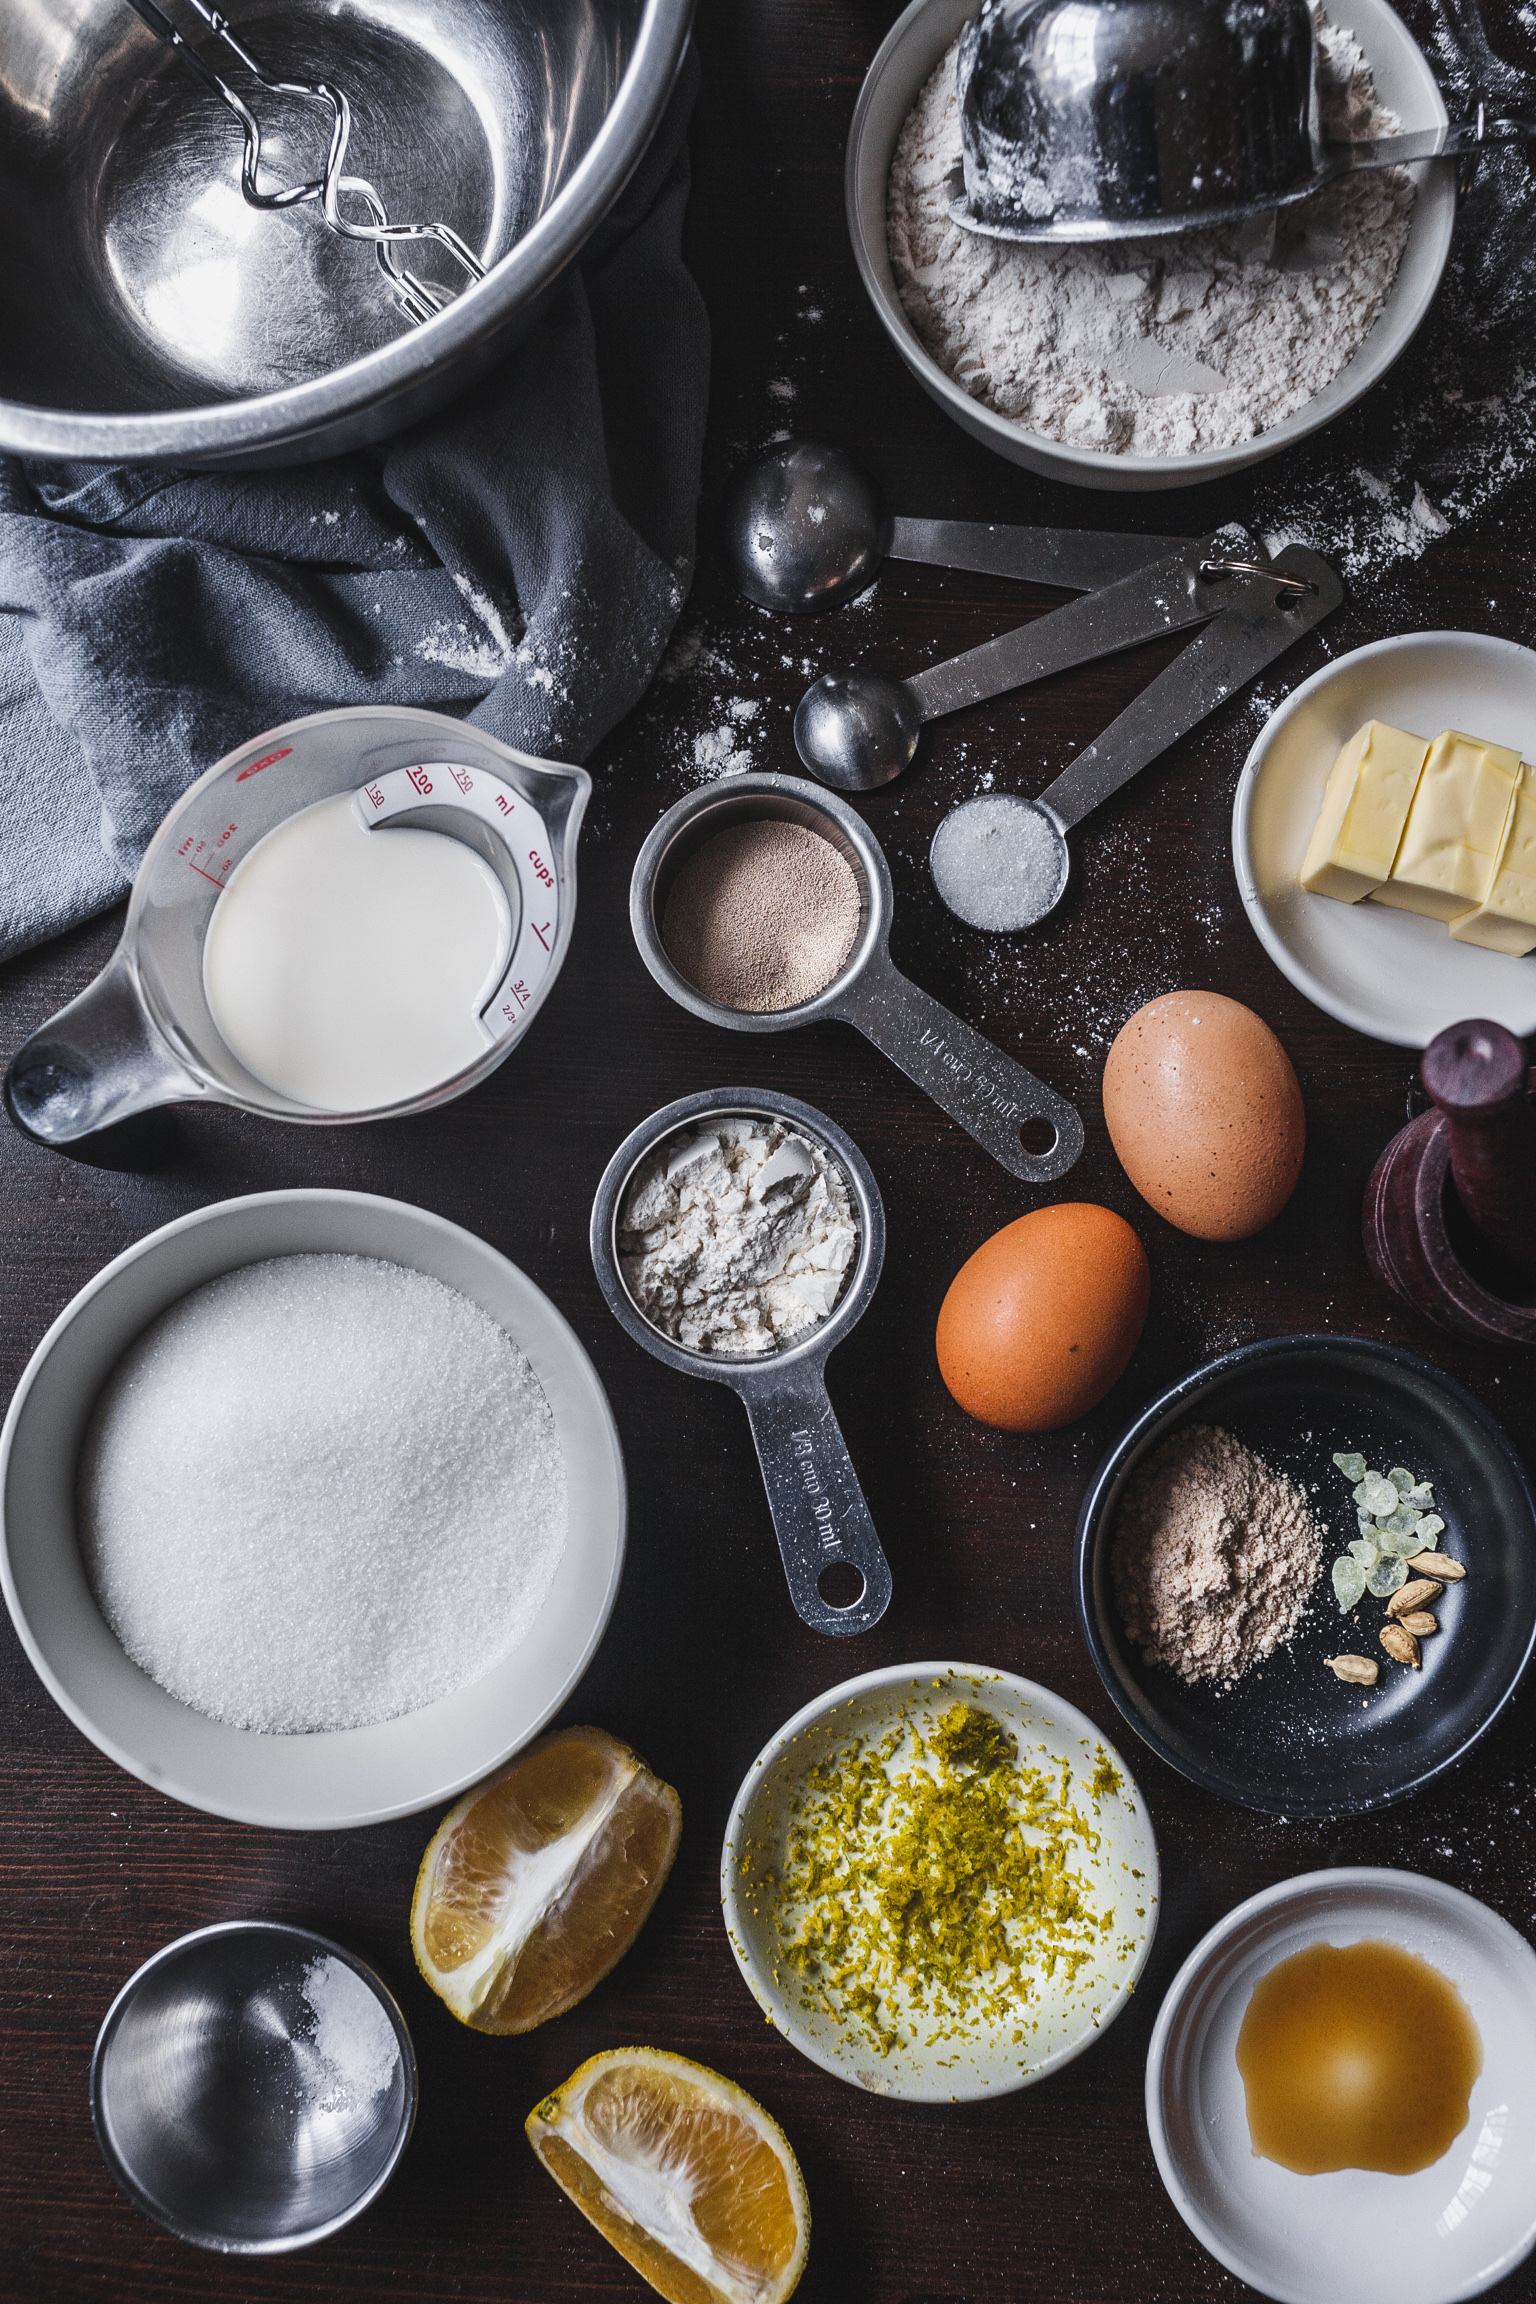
{"x":539,"y":932}
{"x":373,"y":795}
{"x":521,"y":994}
{"x":541,"y":869}
{"x":504,"y":803}
{"x":421,"y":780}
{"x":192,"y":849}
{"x":461,"y":777}
{"x":265,"y":761}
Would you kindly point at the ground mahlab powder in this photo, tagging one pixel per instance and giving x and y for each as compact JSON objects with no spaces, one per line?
{"x":1214,"y":1556}
{"x":762,"y":916}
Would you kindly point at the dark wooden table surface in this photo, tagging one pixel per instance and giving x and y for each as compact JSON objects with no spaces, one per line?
{"x":1051,"y":2194}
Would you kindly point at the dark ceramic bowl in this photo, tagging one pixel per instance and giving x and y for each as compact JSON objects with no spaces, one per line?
{"x":1287,"y":1737}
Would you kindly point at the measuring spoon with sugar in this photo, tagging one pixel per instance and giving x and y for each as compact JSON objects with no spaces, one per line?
{"x":823,"y":1525}
{"x":1000,"y":861}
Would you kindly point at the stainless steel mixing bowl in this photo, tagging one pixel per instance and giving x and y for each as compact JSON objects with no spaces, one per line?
{"x":217,"y":2107}
{"x":155,"y":316}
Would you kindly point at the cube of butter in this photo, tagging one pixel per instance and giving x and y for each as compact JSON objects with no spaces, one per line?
{"x":1505,"y":921}
{"x":1365,"y":806}
{"x":1455,"y":829}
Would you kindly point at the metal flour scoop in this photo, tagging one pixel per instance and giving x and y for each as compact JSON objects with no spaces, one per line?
{"x":1127,"y":119}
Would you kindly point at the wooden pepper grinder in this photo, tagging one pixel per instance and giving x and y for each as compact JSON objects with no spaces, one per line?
{"x":1450,"y":1211}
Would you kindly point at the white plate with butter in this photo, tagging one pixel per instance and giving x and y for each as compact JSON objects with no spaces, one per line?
{"x":1393,"y":975}
{"x":1446,"y":2232}
{"x":1060,"y":1991}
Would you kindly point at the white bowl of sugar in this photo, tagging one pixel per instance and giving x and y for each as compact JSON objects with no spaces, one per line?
{"x":897,"y":78}
{"x":71,"y":1449}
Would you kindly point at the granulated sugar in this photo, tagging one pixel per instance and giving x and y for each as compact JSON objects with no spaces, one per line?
{"x":762,"y":916}
{"x":996,"y":862}
{"x":1152,"y":347}
{"x":1214,"y":1556}
{"x":319,"y":1492}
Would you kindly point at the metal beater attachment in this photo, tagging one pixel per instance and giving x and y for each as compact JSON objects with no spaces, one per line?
{"x":418,"y":299}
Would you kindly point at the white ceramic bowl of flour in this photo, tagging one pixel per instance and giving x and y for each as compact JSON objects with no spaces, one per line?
{"x":906,"y":57}
{"x":334,"y":1778}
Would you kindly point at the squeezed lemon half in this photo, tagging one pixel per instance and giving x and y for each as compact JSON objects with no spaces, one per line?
{"x":688,"y":2177}
{"x":537,"y":1882}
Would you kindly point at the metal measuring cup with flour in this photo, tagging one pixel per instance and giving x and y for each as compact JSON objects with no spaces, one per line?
{"x":764,"y":841}
{"x":738,"y":1235}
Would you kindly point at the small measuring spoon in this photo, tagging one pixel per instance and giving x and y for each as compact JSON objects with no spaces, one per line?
{"x":994,"y":1099}
{"x":819,"y":1514}
{"x":1028,"y":866}
{"x":804,"y":528}
{"x":857,"y":730}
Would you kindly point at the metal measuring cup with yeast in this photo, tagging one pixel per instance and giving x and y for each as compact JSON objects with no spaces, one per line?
{"x":994,"y":1099}
{"x":823,"y":1525}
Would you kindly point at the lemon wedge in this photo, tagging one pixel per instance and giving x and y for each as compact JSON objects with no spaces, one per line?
{"x":689,"y":2179}
{"x":540,"y":1880}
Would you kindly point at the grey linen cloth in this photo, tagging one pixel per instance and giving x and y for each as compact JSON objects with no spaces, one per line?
{"x":520,"y":559}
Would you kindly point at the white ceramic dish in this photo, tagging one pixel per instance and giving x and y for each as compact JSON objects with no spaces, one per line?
{"x":344,"y":1777}
{"x":1450,"y":2231}
{"x":907,"y":55}
{"x":1122,"y":1874}
{"x":1389,"y":974}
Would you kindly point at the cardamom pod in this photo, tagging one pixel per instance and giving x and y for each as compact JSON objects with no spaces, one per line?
{"x":1363,"y":1670}
{"x":1438,"y":1564}
{"x":1420,"y":1623}
{"x":1401,"y":1646}
{"x":1408,"y":1597}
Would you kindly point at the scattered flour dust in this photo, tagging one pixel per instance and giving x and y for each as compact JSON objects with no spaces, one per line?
{"x":724,"y":750}
{"x":1151,"y":347}
{"x":482,"y":650}
{"x":319,"y":1492}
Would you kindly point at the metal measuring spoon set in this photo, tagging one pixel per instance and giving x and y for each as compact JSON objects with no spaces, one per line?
{"x":804,"y":528}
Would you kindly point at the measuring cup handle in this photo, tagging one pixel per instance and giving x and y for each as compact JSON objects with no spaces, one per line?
{"x":819,"y":1513}
{"x":990,"y":1095}
{"x":98,"y":1061}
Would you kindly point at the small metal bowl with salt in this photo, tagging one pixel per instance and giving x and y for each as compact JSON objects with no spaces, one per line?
{"x":253,"y":2087}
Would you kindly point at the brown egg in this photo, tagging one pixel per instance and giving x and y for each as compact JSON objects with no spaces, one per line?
{"x":1043,"y":1318}
{"x":1206,"y":1114}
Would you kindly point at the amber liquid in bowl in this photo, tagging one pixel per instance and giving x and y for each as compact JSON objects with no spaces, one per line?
{"x":1357,"y":2056}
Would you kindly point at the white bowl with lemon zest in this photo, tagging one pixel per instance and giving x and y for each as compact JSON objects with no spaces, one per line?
{"x":940,"y":1882}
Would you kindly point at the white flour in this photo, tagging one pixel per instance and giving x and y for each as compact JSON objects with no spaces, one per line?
{"x":736,"y":1238}
{"x":1151,"y":347}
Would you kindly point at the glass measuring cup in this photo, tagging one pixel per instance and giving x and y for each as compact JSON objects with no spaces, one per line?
{"x":1030,"y":1130}
{"x":143,"y":1035}
{"x":819,"y":1514}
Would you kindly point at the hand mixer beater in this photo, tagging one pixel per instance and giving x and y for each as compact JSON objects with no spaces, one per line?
{"x":419,"y":299}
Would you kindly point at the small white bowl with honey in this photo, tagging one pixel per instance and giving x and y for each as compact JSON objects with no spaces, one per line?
{"x":1341,"y":2091}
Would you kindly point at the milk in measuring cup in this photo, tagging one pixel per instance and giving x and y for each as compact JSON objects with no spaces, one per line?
{"x":346,"y":967}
